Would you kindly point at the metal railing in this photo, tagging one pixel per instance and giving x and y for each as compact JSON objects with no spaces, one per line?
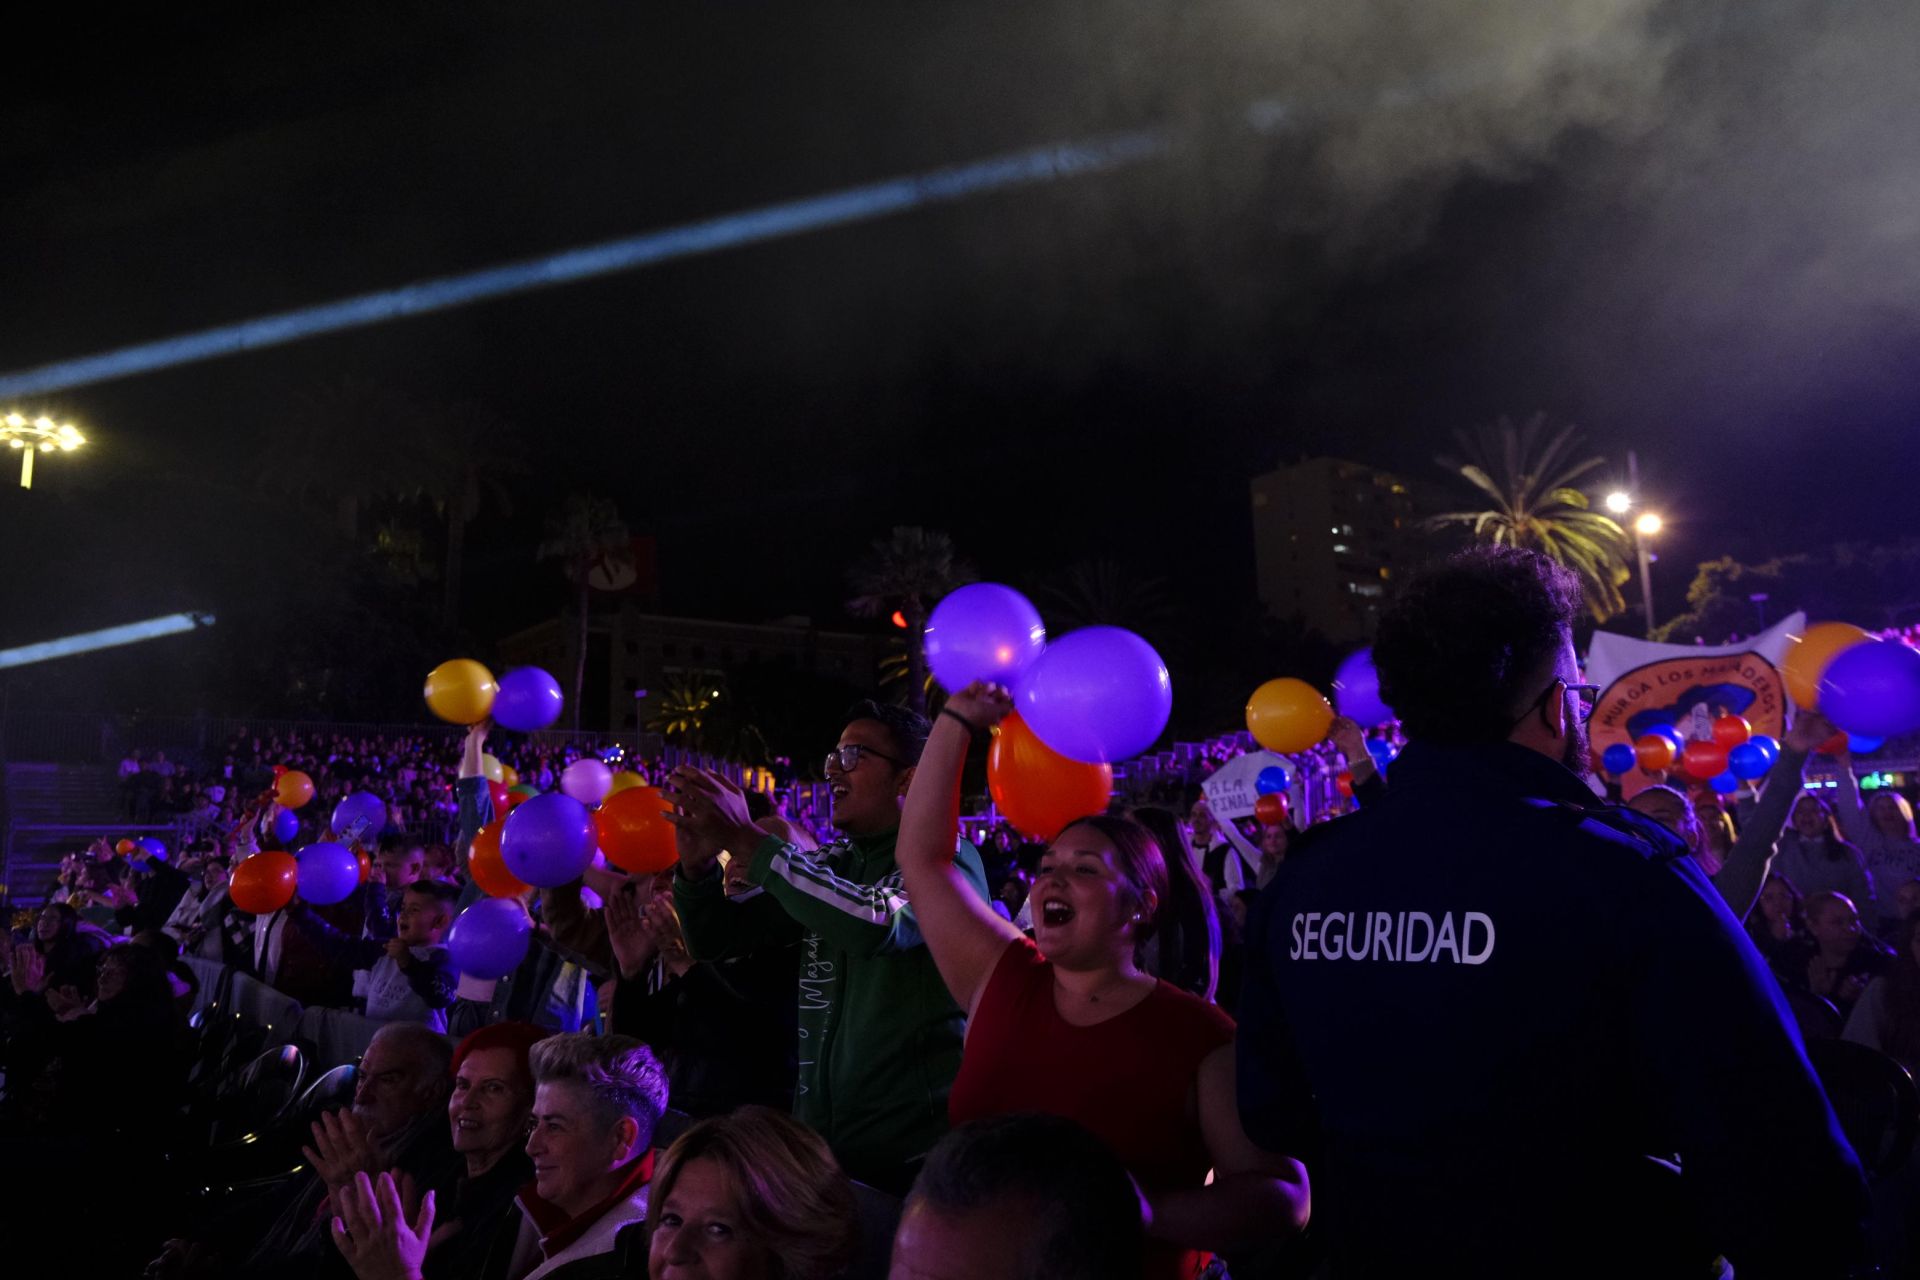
{"x":70,"y":737}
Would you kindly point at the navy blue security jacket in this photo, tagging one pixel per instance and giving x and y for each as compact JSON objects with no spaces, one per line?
{"x":1477,"y":1008}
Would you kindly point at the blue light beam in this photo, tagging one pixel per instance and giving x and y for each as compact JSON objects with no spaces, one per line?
{"x":729,"y":231}
{"x":111,"y":637}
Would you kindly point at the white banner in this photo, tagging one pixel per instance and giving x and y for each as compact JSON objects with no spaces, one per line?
{"x":1644,"y":685}
{"x":1230,"y":791}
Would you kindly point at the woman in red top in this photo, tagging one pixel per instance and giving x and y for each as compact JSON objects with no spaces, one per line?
{"x":1068,"y":1023}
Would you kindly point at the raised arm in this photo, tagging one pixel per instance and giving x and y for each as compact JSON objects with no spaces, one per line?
{"x":1846,"y":802}
{"x":966,"y":936}
{"x":1745,"y":871}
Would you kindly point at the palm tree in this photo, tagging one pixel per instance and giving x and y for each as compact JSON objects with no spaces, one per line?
{"x":680,"y":714}
{"x":472,"y":451}
{"x":906,"y":573}
{"x":585,"y":534}
{"x":1104,"y":593}
{"x":1529,"y":477}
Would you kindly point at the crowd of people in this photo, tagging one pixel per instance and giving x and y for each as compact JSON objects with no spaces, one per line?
{"x":1446,"y":1031}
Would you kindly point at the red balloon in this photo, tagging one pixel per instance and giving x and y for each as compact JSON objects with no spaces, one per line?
{"x":264,"y":883}
{"x":1731,"y":731}
{"x":1270,"y":810}
{"x":366,"y":864}
{"x":1835,"y":745}
{"x":1653,"y":752}
{"x":1036,"y":788}
{"x":497,"y":792}
{"x":1703,"y":759}
{"x":489,"y":869}
{"x":1343,"y":782}
{"x":279,"y":772}
{"x":635,"y":834}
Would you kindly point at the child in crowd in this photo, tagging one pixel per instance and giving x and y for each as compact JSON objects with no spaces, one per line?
{"x":411,"y":976}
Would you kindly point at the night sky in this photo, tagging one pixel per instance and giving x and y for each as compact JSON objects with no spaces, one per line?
{"x":1690,"y":228}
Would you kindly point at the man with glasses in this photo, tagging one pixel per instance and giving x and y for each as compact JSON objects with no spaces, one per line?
{"x":879,"y":1037}
{"x":1513,"y":1030}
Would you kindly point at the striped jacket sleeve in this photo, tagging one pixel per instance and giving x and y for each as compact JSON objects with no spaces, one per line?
{"x":863,"y":918}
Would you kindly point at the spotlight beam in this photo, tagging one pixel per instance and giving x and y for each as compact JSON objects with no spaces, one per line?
{"x":842,"y":208}
{"x":110,"y":637}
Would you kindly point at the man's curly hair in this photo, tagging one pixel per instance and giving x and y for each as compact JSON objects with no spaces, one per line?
{"x":1461,"y":647}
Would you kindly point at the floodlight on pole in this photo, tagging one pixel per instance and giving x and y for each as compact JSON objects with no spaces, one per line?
{"x":1619,"y":502}
{"x":1648,"y":524}
{"x":37,"y":435}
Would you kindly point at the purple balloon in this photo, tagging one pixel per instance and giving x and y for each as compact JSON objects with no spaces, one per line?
{"x":286,"y":825}
{"x":548,"y":841}
{"x":328,"y":872}
{"x":1873,"y":690}
{"x":528,"y":699}
{"x":983,"y":632}
{"x":489,"y":940}
{"x":360,"y":814}
{"x":587,"y":780}
{"x":1356,"y":691}
{"x":1097,"y":695}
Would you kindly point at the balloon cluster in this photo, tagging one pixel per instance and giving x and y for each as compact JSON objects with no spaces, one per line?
{"x":1732,"y":755}
{"x":1083,"y":701}
{"x":1868,"y":687}
{"x":1095,"y":695}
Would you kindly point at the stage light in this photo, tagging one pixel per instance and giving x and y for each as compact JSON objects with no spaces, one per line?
{"x":111,"y":637}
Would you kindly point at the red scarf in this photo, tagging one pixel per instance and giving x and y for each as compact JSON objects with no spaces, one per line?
{"x":557,"y":1230}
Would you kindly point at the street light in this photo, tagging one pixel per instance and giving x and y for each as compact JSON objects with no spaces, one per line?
{"x":37,"y":435}
{"x":1648,"y":524}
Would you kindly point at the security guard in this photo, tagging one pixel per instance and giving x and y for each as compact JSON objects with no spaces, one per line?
{"x":1517,"y":1027}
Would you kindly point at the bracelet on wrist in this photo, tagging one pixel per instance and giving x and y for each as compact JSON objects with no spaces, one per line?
{"x":973,"y":731}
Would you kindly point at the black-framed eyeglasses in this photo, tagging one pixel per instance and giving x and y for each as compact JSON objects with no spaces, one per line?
{"x":846,"y":758}
{"x":1588,"y":694}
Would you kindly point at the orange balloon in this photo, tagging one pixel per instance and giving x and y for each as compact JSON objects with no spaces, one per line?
{"x":635,"y":834}
{"x":264,"y":883}
{"x":489,"y":869}
{"x":1811,"y":654}
{"x":1288,"y":715}
{"x":460,"y":691}
{"x":294,"y":789}
{"x":1730,"y":730}
{"x":1036,"y":788}
{"x":125,"y":846}
{"x":1654,"y":752}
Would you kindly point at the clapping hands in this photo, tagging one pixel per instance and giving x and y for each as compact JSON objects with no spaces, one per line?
{"x":341,"y":1148}
{"x":377,"y":1233}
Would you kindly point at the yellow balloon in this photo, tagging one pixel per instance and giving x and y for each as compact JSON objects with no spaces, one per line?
{"x":624,"y":780}
{"x":493,"y":769}
{"x":1812,"y":653}
{"x":1288,"y":715}
{"x":461,"y":691}
{"x":509,"y":776}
